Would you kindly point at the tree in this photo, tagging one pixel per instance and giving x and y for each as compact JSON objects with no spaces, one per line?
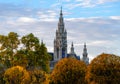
{"x":16,"y":75}
{"x":20,"y":59}
{"x":9,"y":45}
{"x":42,"y":57}
{"x":30,"y":43}
{"x":36,"y":53}
{"x":38,"y":77}
{"x":104,"y":69}
{"x":69,"y":71}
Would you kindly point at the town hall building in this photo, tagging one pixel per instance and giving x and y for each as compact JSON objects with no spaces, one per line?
{"x":60,"y":45}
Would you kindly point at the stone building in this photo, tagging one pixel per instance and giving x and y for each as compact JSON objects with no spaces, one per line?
{"x":60,"y":45}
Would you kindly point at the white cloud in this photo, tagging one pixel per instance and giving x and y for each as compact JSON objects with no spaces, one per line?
{"x":87,"y":3}
{"x":115,"y":17}
{"x":26,"y":19}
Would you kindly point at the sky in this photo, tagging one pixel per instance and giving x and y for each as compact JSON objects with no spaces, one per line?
{"x":96,"y":22}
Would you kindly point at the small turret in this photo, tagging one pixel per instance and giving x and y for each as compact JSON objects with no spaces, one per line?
{"x":85,"y":55}
{"x":72,"y":49}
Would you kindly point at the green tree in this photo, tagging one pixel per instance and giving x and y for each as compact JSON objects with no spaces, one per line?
{"x":43,"y":57}
{"x":20,"y":59}
{"x":36,"y":53}
{"x":69,"y":71}
{"x":16,"y":75}
{"x":9,"y":45}
{"x":104,"y":69}
{"x":30,"y":43}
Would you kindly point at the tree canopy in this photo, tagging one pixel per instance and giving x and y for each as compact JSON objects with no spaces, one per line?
{"x":16,"y":75}
{"x":104,"y":69}
{"x":26,"y":51}
{"x":69,"y":71}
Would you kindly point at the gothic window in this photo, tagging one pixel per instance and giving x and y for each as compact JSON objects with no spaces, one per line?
{"x":57,"y":53}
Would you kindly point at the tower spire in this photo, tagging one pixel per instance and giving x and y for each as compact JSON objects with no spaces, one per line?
{"x":84,"y":45}
{"x":72,"y":49}
{"x":61,"y":11}
{"x":85,"y":54}
{"x":60,"y":43}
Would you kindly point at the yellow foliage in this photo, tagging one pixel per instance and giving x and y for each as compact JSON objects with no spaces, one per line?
{"x":70,"y":71}
{"x":16,"y":75}
{"x":39,"y":77}
{"x":104,"y":69}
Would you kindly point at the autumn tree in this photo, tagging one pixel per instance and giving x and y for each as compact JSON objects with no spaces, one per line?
{"x":104,"y":69}
{"x":69,"y":71}
{"x":38,"y":77}
{"x":16,"y":75}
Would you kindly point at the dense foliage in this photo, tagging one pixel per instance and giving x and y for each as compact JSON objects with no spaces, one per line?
{"x":104,"y":69}
{"x":16,"y":75}
{"x":69,"y":71}
{"x":30,"y":54}
{"x":39,"y":77}
{"x":18,"y":53}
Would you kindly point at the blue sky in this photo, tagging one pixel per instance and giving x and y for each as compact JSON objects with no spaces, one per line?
{"x":96,"y":22}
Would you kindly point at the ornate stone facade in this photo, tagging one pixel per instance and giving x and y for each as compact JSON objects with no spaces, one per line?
{"x":60,"y":42}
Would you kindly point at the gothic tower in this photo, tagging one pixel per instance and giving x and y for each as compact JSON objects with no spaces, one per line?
{"x":60,"y":42}
{"x":85,"y":55}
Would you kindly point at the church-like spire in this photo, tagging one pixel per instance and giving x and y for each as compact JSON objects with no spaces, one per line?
{"x":61,"y":17}
{"x":60,"y":43}
{"x":72,"y":44}
{"x":85,"y":50}
{"x":72,"y":49}
{"x":41,"y":41}
{"x":61,"y":11}
{"x":85,"y":54}
{"x":84,"y":45}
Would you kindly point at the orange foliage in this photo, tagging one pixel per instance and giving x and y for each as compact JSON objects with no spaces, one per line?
{"x":68,"y":71}
{"x":39,"y":77}
{"x":104,"y":69}
{"x":16,"y":75}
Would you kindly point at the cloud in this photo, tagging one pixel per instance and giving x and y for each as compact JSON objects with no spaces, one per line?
{"x":115,"y":17}
{"x":86,"y":3}
{"x":26,"y":19}
{"x":101,"y":34}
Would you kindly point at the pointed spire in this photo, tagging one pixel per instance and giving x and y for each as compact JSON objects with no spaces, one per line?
{"x":72,"y":49}
{"x":85,"y":50}
{"x":41,"y":41}
{"x":72,"y":44}
{"x":84,"y":45}
{"x":85,"y":54}
{"x":61,"y":11}
{"x":61,"y":14}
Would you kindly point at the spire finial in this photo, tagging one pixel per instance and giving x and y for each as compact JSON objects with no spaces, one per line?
{"x":42,"y":41}
{"x":84,"y":44}
{"x":72,"y":44}
{"x":61,"y":11}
